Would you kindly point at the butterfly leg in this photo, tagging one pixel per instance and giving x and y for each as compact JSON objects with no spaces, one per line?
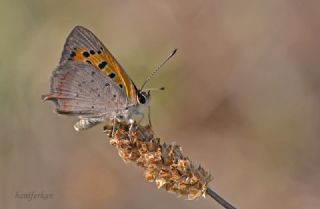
{"x":131,"y":122}
{"x":113,"y":127}
{"x":134,"y":124}
{"x":149,"y":115}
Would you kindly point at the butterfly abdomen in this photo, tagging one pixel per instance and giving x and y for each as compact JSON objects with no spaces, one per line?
{"x":87,"y":123}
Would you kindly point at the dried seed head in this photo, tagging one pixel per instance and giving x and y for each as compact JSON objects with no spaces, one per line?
{"x":164,"y":164}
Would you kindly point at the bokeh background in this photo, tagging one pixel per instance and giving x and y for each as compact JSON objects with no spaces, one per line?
{"x":242,"y":99}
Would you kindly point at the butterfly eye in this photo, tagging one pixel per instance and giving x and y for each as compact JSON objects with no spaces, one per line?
{"x":142,"y":97}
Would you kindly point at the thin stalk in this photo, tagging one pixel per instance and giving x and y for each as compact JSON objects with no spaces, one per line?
{"x":219,"y":199}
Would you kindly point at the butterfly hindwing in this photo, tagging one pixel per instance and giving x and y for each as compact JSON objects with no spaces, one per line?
{"x":83,"y":46}
{"x":79,"y":89}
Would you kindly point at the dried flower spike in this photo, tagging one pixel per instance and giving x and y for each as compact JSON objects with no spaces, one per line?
{"x":164,"y":163}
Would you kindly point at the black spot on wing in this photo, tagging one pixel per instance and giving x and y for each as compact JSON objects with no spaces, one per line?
{"x":73,"y":54}
{"x":112,"y":75}
{"x":85,"y":54}
{"x":102,"y":64}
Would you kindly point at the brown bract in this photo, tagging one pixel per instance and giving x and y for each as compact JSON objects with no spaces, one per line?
{"x":164,"y":163}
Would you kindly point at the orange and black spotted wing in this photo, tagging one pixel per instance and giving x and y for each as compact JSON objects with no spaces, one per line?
{"x":89,"y":82}
{"x":83,"y":46}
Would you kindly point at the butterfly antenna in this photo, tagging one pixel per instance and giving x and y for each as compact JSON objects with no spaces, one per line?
{"x":155,"y":89}
{"x":158,"y":68}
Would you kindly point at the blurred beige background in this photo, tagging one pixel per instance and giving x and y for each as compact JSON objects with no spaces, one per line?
{"x":242,"y":99}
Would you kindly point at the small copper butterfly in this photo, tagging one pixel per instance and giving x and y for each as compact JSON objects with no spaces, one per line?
{"x":91,"y":84}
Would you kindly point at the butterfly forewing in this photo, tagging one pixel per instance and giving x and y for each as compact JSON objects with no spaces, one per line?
{"x":83,"y":46}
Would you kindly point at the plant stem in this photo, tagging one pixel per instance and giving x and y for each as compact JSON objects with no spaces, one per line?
{"x":219,"y":199}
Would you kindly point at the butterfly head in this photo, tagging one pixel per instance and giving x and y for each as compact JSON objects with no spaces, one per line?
{"x":143,"y":97}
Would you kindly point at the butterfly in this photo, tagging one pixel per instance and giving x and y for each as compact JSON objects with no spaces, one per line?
{"x":89,"y":83}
